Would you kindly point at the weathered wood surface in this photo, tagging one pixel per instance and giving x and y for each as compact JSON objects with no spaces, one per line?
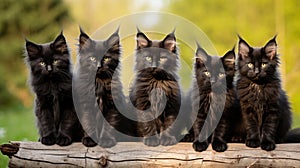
{"x":136,"y":154}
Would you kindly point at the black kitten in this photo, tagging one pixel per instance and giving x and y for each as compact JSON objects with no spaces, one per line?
{"x":155,"y":92}
{"x":99,"y":73}
{"x":213,"y":78}
{"x":265,"y":107}
{"x":51,"y":80}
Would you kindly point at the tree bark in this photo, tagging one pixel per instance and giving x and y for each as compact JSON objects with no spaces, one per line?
{"x":136,"y":154}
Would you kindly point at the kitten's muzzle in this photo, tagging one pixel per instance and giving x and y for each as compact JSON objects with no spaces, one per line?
{"x":49,"y":68}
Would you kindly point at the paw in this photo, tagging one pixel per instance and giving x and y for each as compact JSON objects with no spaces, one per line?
{"x":151,"y":141}
{"x":219,"y":146}
{"x":107,"y":142}
{"x":88,"y":142}
{"x":200,"y":146}
{"x":63,"y":140}
{"x":187,"y":138}
{"x":267,"y":145}
{"x":167,"y":140}
{"x":48,"y":140}
{"x":253,"y":143}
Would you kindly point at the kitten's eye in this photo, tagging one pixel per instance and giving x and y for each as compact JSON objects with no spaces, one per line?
{"x":42,"y":63}
{"x":207,"y":73}
{"x":163,"y":58}
{"x":250,"y":65}
{"x":105,"y":59}
{"x":148,"y":58}
{"x":263,"y":65}
{"x":93,"y":59}
{"x":221,"y":75}
{"x":55,"y":62}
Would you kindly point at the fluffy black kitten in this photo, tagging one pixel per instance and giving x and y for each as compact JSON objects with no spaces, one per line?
{"x":264,"y":104}
{"x":155,"y":92}
{"x":213,"y":78}
{"x":51,"y":80}
{"x":98,"y":79}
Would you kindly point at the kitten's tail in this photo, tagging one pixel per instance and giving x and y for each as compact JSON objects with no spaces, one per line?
{"x":293,"y":136}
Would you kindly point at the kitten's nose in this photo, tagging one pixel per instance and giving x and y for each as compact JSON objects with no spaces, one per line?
{"x":99,"y":64}
{"x":212,"y":81}
{"x":49,"y":68}
{"x":256,"y":70}
{"x":154,"y":64}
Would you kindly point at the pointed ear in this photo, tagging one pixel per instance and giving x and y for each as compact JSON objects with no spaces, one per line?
{"x":169,"y":42}
{"x":229,"y":58}
{"x":84,"y":40}
{"x":113,"y":41}
{"x":60,"y":44}
{"x":201,"y":56}
{"x":142,"y":40}
{"x":33,"y":50}
{"x":244,"y":49}
{"x":271,"y":48}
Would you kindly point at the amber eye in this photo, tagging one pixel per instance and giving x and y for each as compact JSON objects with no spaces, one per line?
{"x":55,"y":62}
{"x":263,"y":65}
{"x":221,"y":75}
{"x":250,"y":65}
{"x":163,"y":58}
{"x":42,"y":63}
{"x":93,"y":59}
{"x":105,"y":59}
{"x":148,"y":58}
{"x":207,"y":73}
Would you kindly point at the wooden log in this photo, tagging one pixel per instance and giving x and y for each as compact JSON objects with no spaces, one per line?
{"x":136,"y":154}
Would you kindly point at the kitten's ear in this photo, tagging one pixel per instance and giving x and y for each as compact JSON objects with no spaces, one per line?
{"x":244,"y":49}
{"x":271,"y":48}
{"x":84,"y":40}
{"x":113,"y":41}
{"x":33,"y":50}
{"x":201,"y":56}
{"x":229,"y":58}
{"x":169,"y":42}
{"x":142,"y":40}
{"x":60,"y":44}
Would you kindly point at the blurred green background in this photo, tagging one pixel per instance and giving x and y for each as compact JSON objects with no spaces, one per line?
{"x":40,"y":21}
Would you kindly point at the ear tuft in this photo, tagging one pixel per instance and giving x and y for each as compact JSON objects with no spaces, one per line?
{"x":169,"y":42}
{"x":60,"y":44}
{"x":33,"y":50}
{"x":244,"y":49}
{"x":271,"y":48}
{"x":142,"y":40}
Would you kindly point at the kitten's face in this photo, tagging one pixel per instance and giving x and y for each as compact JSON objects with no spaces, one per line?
{"x":99,"y":55}
{"x":156,"y":54}
{"x":48,"y":59}
{"x":258,"y":64}
{"x":214,"y":71}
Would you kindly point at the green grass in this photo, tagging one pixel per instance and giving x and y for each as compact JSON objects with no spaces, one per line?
{"x":18,"y":125}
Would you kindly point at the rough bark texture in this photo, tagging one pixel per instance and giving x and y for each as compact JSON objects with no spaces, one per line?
{"x":136,"y":154}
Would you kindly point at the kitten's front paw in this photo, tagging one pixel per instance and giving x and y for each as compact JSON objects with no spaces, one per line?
{"x":151,"y":141}
{"x":252,"y":143}
{"x":63,"y":140}
{"x":187,"y":138}
{"x":88,"y":142}
{"x":167,"y":140}
{"x":107,"y":142}
{"x":219,"y":146}
{"x":200,"y":146}
{"x":48,"y":140}
{"x":267,"y":145}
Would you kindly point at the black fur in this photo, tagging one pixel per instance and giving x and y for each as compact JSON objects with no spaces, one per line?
{"x":156,"y":72}
{"x":99,"y":62}
{"x":264,"y":104}
{"x":51,"y":81}
{"x":214,"y":77}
